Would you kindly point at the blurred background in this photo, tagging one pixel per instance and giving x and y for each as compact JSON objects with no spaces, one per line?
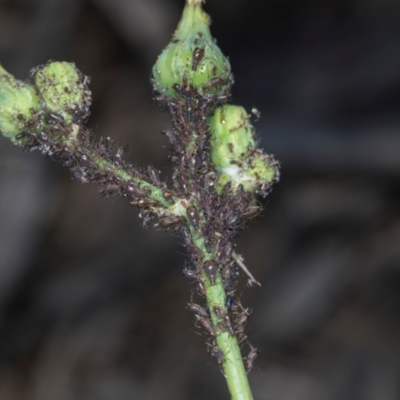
{"x":92,"y":306}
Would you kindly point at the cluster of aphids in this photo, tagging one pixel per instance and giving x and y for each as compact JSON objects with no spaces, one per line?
{"x":232,"y":319}
{"x":218,"y":169}
{"x":82,"y":160}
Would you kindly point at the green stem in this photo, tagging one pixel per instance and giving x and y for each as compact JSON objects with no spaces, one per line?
{"x":153,"y":192}
{"x":71,"y":142}
{"x":232,"y":365}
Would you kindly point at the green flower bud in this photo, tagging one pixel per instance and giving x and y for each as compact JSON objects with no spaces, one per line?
{"x":234,"y":153}
{"x":64,"y":90}
{"x":231,"y":135}
{"x":19,"y":105}
{"x":192,"y":58}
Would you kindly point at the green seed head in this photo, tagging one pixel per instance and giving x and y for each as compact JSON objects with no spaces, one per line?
{"x":19,"y":105}
{"x":64,"y":90}
{"x":234,"y":153}
{"x":192,"y":58}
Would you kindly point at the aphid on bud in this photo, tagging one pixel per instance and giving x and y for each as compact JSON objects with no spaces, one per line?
{"x":251,"y":358}
{"x":169,"y":222}
{"x":193,"y":217}
{"x":197,"y":310}
{"x":210,"y":268}
{"x":206,"y":325}
{"x":191,"y":58}
{"x":189,"y":273}
{"x":197,"y":56}
{"x":215,"y":82}
{"x":55,"y":119}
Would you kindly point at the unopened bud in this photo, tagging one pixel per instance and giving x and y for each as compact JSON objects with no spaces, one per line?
{"x":234,"y":153}
{"x":231,"y":136}
{"x":192,"y":59}
{"x":19,"y":105}
{"x":64,"y":90}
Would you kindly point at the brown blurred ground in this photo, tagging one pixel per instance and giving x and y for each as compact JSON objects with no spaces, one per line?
{"x":92,"y":305}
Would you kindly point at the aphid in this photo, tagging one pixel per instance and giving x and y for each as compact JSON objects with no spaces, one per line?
{"x":177,"y":88}
{"x":219,"y":248}
{"x":241,"y":321}
{"x":228,"y":324}
{"x":221,"y":327}
{"x":169,"y":222}
{"x":206,"y":325}
{"x":210,"y":269}
{"x":229,"y":274}
{"x":194,"y":251}
{"x":251,"y":358}
{"x":207,"y":244}
{"x":81,"y":177}
{"x":189,"y":273}
{"x":154,"y":175}
{"x":109,"y":189}
{"x":193,"y":217}
{"x":214,"y":82}
{"x":251,"y":212}
{"x":145,"y":203}
{"x":161,"y":101}
{"x":197,"y":56}
{"x":215,"y":352}
{"x":55,"y":119}
{"x":233,"y":219}
{"x":217,"y":311}
{"x":87,"y":162}
{"x":222,"y":98}
{"x":201,"y":288}
{"x":197,"y":310}
{"x":185,"y":85}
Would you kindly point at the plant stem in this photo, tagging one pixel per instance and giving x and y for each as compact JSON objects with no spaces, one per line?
{"x":73,"y":141}
{"x":228,"y":345}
